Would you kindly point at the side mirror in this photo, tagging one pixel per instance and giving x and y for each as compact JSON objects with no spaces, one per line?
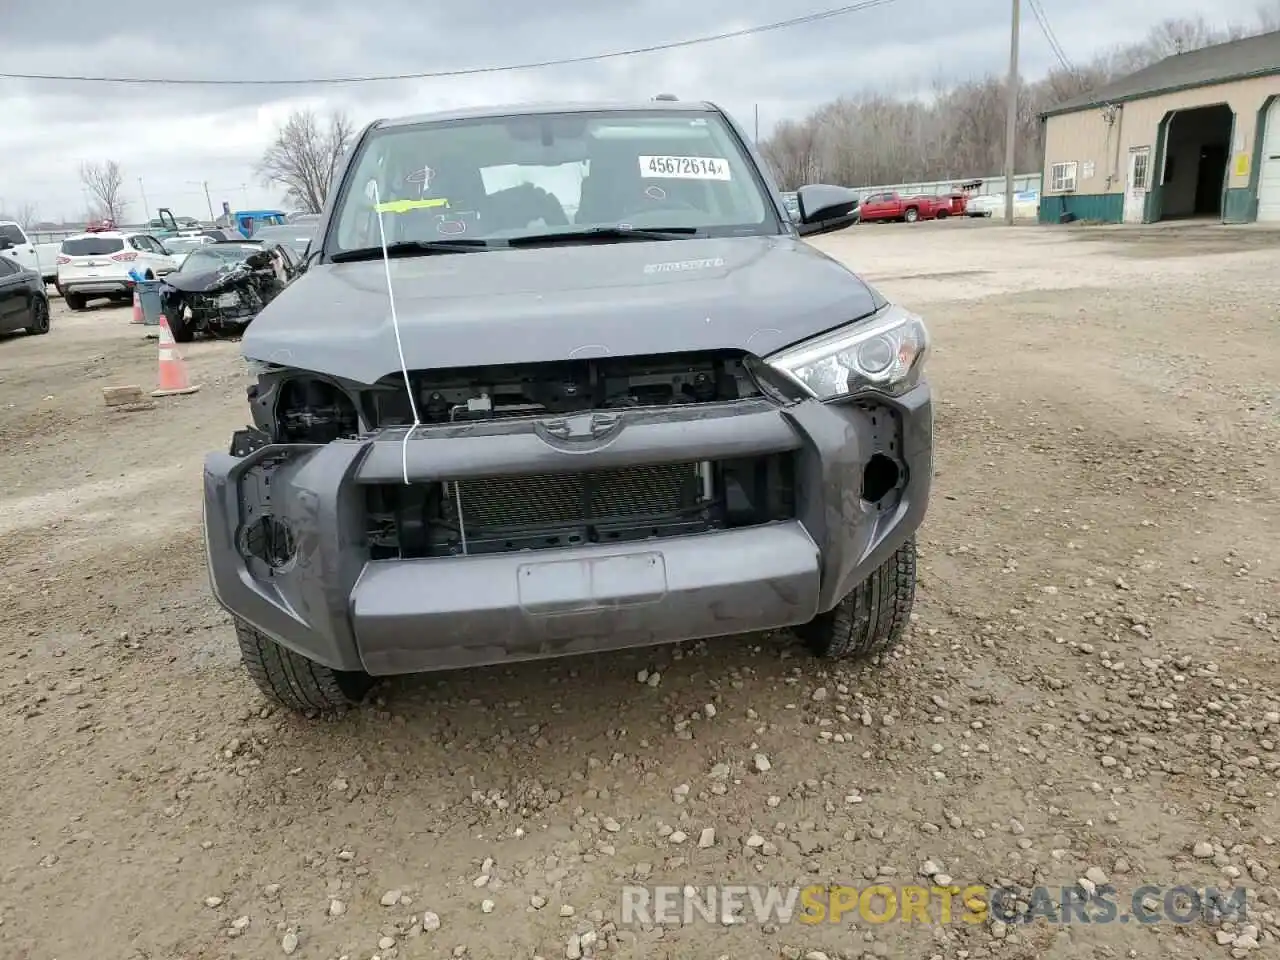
{"x":825,"y":208}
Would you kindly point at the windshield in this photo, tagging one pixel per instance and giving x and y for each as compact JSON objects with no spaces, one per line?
{"x":217,"y":256}
{"x":92,"y":246}
{"x":504,"y":177}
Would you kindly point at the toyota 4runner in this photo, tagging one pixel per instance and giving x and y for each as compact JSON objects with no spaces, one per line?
{"x":566,"y":379}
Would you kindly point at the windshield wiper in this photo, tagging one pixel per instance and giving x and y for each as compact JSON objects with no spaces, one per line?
{"x":605,"y":233}
{"x":411,"y":248}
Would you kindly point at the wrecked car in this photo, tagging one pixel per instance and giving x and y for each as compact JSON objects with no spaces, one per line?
{"x":223,"y":285}
{"x":562,"y":380}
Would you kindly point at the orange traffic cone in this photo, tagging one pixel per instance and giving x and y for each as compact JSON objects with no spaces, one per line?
{"x":173,"y":369}
{"x":137,"y":308}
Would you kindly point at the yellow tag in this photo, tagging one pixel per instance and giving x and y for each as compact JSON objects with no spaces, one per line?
{"x":404,"y":206}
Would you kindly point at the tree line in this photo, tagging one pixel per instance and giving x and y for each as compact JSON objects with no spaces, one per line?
{"x":860,"y":139}
{"x":867,"y":138}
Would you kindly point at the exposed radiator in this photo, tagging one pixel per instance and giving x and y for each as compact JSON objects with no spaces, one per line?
{"x":627,"y":493}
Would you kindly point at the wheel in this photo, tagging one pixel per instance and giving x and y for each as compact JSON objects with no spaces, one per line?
{"x":75,"y":301}
{"x":912,"y":215}
{"x":942,"y":215}
{"x":872,"y":618}
{"x":292,"y":680}
{"x":39,"y":317}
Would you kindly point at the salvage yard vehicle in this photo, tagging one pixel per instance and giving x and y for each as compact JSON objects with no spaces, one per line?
{"x":97,"y":264}
{"x":17,"y":246}
{"x":24,"y":305}
{"x":484,"y":431}
{"x":223,"y":286}
{"x":885,"y":207}
{"x":179,"y":247}
{"x":295,"y":236}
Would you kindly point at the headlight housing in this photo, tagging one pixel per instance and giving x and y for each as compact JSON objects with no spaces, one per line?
{"x":884,"y":353}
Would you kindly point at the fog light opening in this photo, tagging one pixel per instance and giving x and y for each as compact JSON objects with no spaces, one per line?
{"x":879,"y":478}
{"x":269,"y":540}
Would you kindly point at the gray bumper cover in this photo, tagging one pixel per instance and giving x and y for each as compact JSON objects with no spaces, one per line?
{"x":336,"y":606}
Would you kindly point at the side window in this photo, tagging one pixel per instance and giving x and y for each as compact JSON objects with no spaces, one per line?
{"x":137,"y":243}
{"x":7,"y":266}
{"x":13,"y":233}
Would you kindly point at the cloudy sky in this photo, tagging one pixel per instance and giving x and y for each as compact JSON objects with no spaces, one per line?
{"x":174,"y":138}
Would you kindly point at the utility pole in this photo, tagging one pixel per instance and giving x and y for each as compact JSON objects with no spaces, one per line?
{"x":146,"y":207}
{"x":209,"y":202}
{"x":757,"y":124}
{"x":1011,"y":121}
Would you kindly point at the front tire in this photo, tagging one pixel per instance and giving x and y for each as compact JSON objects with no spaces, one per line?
{"x":39,"y":317}
{"x":873,"y":617}
{"x":292,"y":680}
{"x":912,"y":215}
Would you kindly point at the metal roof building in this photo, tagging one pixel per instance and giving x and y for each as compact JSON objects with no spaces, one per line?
{"x":1195,"y":135}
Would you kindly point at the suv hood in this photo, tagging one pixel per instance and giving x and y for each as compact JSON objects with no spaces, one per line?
{"x":595,"y":299}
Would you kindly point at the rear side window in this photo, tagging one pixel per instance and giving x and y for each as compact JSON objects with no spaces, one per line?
{"x":92,"y":246}
{"x":11,"y":233}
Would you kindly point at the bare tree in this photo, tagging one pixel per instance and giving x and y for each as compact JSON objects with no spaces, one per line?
{"x":868,"y":138}
{"x":1269,"y":16}
{"x":104,"y":181}
{"x":26,"y":215}
{"x":304,"y":155}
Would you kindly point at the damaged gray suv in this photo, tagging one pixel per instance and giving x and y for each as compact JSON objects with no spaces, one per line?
{"x":563,"y":379}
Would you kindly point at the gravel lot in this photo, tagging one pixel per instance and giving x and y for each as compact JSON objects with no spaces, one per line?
{"x":1091,"y":686}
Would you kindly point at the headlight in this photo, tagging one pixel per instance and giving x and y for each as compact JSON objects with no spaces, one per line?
{"x":885,"y":353}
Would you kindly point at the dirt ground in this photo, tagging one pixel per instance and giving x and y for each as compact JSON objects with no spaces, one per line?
{"x":1091,"y":686}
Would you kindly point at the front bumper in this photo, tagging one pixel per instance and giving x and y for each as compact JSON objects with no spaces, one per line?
{"x":334,"y":604}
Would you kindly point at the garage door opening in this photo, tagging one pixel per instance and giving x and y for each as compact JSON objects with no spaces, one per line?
{"x":1195,"y":162}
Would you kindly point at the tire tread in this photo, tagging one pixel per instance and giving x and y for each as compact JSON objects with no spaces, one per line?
{"x":874,"y":616}
{"x":294,"y":681}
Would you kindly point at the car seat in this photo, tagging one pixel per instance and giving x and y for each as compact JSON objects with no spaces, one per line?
{"x":612,"y":187}
{"x":454,"y":181}
{"x":516,"y":208}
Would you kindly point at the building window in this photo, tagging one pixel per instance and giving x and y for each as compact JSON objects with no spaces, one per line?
{"x":1141,"y":164}
{"x":1062,"y":176}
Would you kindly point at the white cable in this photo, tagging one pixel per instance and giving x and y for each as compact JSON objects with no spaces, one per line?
{"x":395,"y":325}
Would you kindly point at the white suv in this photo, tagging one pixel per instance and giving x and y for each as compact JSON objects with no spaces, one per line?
{"x":93,"y":265}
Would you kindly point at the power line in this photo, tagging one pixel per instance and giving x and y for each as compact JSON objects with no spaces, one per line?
{"x":1045,"y":28}
{"x":469,"y":71}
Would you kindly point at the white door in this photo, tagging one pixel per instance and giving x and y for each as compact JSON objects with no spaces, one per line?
{"x":1137,"y":184}
{"x":1269,"y":167}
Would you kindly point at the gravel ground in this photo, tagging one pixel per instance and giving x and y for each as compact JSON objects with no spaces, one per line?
{"x":1089,"y":692}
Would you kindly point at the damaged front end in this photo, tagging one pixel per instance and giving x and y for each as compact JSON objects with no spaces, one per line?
{"x":222,"y":291}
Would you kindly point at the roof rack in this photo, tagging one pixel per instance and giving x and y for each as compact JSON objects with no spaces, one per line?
{"x":671,"y":97}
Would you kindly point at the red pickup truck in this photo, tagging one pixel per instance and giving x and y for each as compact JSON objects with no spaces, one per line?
{"x":894,"y":206}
